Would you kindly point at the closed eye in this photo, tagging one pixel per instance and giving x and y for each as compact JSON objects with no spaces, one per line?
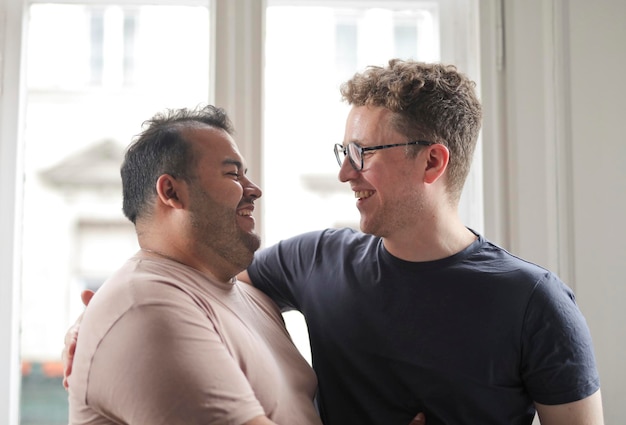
{"x":235,"y":175}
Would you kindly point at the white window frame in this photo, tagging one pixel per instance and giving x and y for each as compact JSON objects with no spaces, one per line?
{"x":11,"y":126}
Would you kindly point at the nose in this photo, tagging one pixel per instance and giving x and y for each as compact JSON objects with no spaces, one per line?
{"x":347,"y":171}
{"x":251,"y":190}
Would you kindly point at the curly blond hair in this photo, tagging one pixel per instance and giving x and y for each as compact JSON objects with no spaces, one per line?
{"x":430,"y":101}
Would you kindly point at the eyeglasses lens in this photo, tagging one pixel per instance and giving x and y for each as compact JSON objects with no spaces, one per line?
{"x":339,"y":153}
{"x":352,"y":151}
{"x":355,"y":156}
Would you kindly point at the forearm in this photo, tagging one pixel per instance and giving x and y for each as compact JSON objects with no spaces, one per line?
{"x":587,"y":411}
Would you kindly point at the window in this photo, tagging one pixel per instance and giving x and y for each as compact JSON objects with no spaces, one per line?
{"x":123,"y":22}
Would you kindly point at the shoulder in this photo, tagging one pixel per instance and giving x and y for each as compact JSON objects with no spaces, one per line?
{"x":495,"y":259}
{"x":147,"y":285}
{"x":489,"y":263}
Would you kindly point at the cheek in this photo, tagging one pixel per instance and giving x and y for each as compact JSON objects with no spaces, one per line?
{"x":235,"y":193}
{"x":383,"y":179}
{"x":394,"y":186}
{"x":226,"y":193}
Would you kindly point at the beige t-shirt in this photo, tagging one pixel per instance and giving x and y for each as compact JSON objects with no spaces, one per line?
{"x":161,"y":343}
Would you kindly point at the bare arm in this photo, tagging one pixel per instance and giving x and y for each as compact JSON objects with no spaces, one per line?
{"x":587,"y":411}
{"x":244,"y":277}
{"x":70,"y":340}
{"x":420,"y":419}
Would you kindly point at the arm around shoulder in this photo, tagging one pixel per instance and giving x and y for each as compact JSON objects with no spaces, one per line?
{"x":587,"y":411}
{"x":245,"y":278}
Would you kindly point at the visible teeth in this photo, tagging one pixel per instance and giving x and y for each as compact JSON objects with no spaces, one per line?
{"x":361,"y":194}
{"x":245,"y":212}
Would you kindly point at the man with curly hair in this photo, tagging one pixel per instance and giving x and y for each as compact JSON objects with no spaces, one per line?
{"x":417,"y":312}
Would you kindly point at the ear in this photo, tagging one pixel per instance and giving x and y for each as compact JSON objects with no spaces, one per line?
{"x":436,"y":162}
{"x":171,"y":192}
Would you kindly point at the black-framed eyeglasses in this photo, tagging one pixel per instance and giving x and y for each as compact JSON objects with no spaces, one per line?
{"x":355,"y":152}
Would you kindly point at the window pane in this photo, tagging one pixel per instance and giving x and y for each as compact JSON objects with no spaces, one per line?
{"x":94,"y":74}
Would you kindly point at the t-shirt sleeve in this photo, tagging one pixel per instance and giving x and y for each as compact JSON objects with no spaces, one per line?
{"x":165,"y":363}
{"x":281,"y":270}
{"x":559,"y":364}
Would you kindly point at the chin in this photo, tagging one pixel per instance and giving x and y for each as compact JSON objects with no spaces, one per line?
{"x":365,"y":225}
{"x":252,"y":242}
{"x":371,"y":229}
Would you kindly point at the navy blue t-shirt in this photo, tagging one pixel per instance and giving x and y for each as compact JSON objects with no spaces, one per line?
{"x":474,"y":338}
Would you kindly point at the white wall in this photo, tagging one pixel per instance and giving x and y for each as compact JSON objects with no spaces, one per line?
{"x":598,"y":92}
{"x":555,"y":156}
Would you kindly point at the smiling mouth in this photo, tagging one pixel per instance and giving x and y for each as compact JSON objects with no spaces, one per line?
{"x":245,"y":213}
{"x":362,"y":194}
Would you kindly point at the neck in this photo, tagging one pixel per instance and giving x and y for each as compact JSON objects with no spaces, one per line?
{"x":433,"y":242}
{"x":156,"y":253}
{"x":189,"y":262}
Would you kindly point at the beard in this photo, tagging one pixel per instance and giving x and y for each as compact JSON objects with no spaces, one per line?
{"x":215,"y":229}
{"x":393,"y":218}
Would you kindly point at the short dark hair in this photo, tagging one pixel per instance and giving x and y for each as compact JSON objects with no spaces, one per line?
{"x":430,"y":101}
{"x":160,"y":149}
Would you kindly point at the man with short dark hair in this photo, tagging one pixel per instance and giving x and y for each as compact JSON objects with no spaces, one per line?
{"x":172,"y":337}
